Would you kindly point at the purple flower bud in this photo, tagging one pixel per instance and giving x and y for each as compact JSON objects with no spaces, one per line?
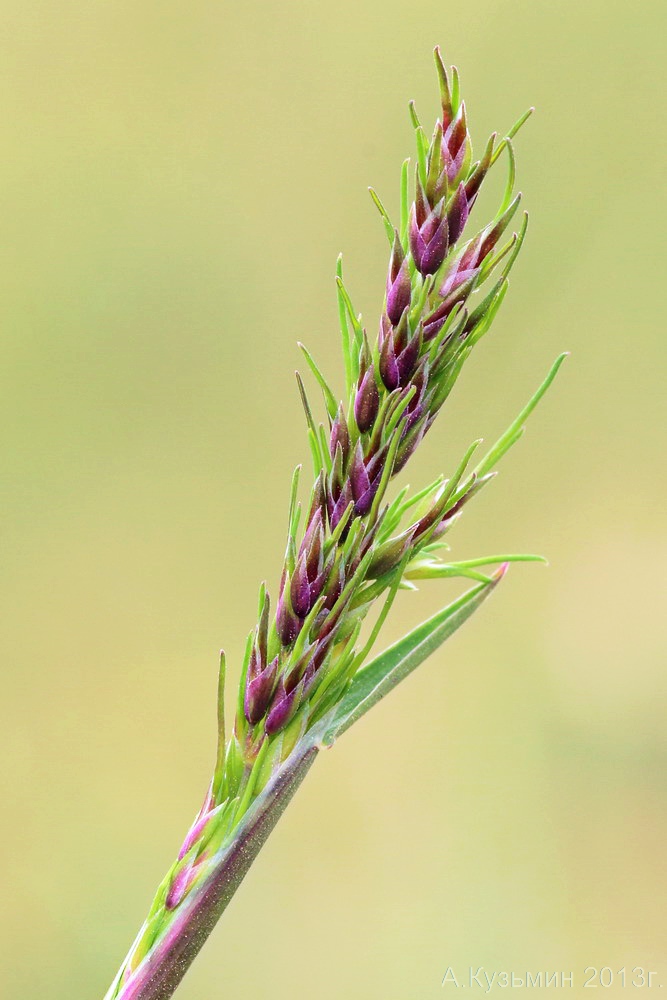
{"x":329,"y":629}
{"x":287,"y":622}
{"x":457,"y":214}
{"x":322,"y":650}
{"x":300,"y":589}
{"x":311,"y":546}
{"x":435,"y":322}
{"x":407,"y":359}
{"x":454,"y":144}
{"x":415,"y":407}
{"x":456,"y":287}
{"x":385,"y":329}
{"x":389,"y":555}
{"x":338,"y":506}
{"x":283,"y":710}
{"x":258,"y":693}
{"x":318,"y":498}
{"x":358,"y":475}
{"x":363,"y":487}
{"x":429,"y":235}
{"x":337,"y":474}
{"x":453,"y":286}
{"x":389,"y":371}
{"x":470,"y":257}
{"x":367,"y":401}
{"x":340,"y":434}
{"x":261,"y":638}
{"x":399,"y":354}
{"x":408,"y":446}
{"x":398,"y":283}
{"x":256,"y":664}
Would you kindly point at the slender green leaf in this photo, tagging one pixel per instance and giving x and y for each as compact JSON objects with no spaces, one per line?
{"x":405,"y":202}
{"x":512,"y":132}
{"x":329,"y":398}
{"x":387,"y":670}
{"x":513,"y":432}
{"x":344,"y":329}
{"x":388,"y":225}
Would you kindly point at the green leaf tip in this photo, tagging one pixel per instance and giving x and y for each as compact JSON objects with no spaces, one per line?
{"x":516,"y":428}
{"x":388,"y":225}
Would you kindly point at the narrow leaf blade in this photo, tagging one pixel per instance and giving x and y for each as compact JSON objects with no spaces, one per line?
{"x":388,"y":669}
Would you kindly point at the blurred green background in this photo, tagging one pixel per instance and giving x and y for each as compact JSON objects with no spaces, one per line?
{"x":176,"y":181}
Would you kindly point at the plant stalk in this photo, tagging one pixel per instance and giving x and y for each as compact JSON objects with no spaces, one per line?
{"x":159,"y":974}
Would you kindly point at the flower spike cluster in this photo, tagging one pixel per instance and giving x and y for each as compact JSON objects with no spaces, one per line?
{"x":433,"y":314}
{"x":304,"y":677}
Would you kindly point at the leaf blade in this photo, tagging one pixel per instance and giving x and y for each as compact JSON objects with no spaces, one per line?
{"x":388,"y":669}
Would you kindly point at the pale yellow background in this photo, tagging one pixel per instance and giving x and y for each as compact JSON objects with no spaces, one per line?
{"x":176,"y":181}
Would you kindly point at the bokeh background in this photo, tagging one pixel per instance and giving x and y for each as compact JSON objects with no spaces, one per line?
{"x":176,"y":181}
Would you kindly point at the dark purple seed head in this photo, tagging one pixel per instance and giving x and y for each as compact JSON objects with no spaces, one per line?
{"x":398,"y":283}
{"x":256,"y":663}
{"x":375,"y":462}
{"x":340,"y":434}
{"x":429,"y":240}
{"x":332,"y":590}
{"x":337,"y":474}
{"x":258,"y":693}
{"x":385,"y":329}
{"x":408,"y":446}
{"x":293,"y":675}
{"x":365,"y":476}
{"x":358,"y":475}
{"x":457,"y":214}
{"x":300,"y":589}
{"x":367,"y":401}
{"x":389,"y":371}
{"x":434,"y":323}
{"x":283,"y":709}
{"x":398,"y":294}
{"x":338,"y":507}
{"x":408,"y":358}
{"x":320,"y":653}
{"x":311,"y":546}
{"x":456,"y":133}
{"x":288,"y":624}
{"x":263,"y":630}
{"x":457,"y":286}
{"x":363,"y":505}
{"x":396,"y":260}
{"x":389,"y":555}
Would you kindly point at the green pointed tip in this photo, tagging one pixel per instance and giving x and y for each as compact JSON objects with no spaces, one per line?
{"x":388,"y":225}
{"x":518,"y":124}
{"x":414,"y":117}
{"x":516,"y":428}
{"x":456,"y":90}
{"x":443,"y":78}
